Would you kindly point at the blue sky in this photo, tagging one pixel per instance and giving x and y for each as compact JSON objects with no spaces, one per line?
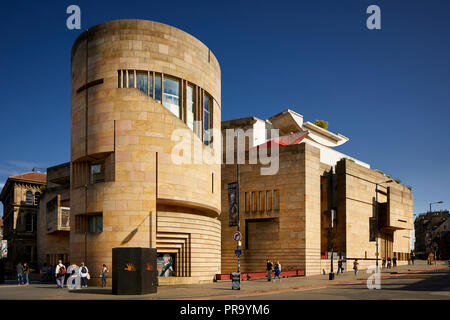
{"x":387,"y":90}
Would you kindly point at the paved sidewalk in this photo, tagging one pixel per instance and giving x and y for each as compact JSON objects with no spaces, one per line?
{"x":215,"y":290}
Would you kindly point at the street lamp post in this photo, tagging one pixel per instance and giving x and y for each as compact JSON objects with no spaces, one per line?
{"x":377,"y":222}
{"x":435,"y":203}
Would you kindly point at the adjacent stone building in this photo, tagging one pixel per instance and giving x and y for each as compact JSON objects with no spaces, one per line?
{"x":430,"y":228}
{"x":135,"y":84}
{"x":20,"y":197}
{"x":287,"y":216}
{"x":53,"y":219}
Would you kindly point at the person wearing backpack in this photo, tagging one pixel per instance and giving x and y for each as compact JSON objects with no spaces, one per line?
{"x":84,"y":275}
{"x":60,"y":274}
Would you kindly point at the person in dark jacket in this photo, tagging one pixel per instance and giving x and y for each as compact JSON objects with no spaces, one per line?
{"x":269,"y":267}
{"x":19,"y":270}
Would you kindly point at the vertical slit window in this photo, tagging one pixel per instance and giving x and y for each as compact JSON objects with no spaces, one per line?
{"x":246,"y":202}
{"x":276,"y":200}
{"x":207,"y":118}
{"x":142,"y":81}
{"x":158,"y":87}
{"x":268,"y":201}
{"x":190,"y":106}
{"x":124,"y":78}
{"x":171,"y":96}
{"x":130,"y":79}
{"x":150,"y":85}
{"x":261,"y":201}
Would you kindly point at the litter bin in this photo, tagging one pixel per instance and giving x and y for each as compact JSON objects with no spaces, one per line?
{"x":134,"y":271}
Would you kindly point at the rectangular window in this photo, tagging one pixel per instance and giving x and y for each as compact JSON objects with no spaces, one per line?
{"x":207,"y":118}
{"x":97,"y":172}
{"x":130,"y":78}
{"x":255,"y":201}
{"x":261,"y":201}
{"x":268,"y":200}
{"x":190,"y":106}
{"x":150,"y":85}
{"x":28,"y":253}
{"x":171,"y":96}
{"x":276,"y":200}
{"x":96,"y":223}
{"x":119,"y":78}
{"x":37,"y":195}
{"x":124,"y":78}
{"x":29,"y":222}
{"x":158,"y":87}
{"x":142,"y":81}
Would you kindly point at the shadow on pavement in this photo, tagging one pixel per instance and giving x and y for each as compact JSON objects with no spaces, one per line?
{"x":432,"y":281}
{"x":93,"y":291}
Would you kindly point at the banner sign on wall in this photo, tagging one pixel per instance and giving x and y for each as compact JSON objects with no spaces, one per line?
{"x":4,"y":249}
{"x":232,"y":203}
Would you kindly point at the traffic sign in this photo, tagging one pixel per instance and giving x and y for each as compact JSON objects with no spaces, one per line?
{"x":237,"y":236}
{"x":238,"y":252}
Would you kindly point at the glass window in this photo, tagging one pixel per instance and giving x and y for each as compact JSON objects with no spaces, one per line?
{"x":207,"y":118}
{"x":261,"y":201}
{"x":29,"y":197}
{"x":268,"y":201}
{"x":150,"y":85}
{"x":276,"y":200}
{"x":96,"y":223}
{"x":29,"y":222}
{"x":130,"y":79}
{"x":142,"y":81}
{"x":97,"y":172}
{"x":124,"y":78}
{"x":158,"y":87}
{"x":171,"y":98}
{"x":37,"y":195}
{"x":190,"y":106}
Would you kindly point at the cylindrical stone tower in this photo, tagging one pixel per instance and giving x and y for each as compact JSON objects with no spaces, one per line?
{"x":135,"y":83}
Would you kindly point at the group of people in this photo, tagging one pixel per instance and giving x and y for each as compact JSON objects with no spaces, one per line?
{"x":275,"y":268}
{"x":59,"y":274}
{"x":23,"y":273}
{"x":389,"y":264}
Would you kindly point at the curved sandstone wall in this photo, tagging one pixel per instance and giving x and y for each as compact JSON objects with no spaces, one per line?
{"x":130,"y":134}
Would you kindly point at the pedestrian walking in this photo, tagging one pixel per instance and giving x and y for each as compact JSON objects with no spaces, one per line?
{"x":277,"y":271}
{"x":84,"y":275}
{"x":394,"y":261}
{"x":26,"y":273}
{"x":355,"y":267}
{"x":44,"y":273}
{"x":269,"y":270}
{"x":104,"y":274}
{"x":340,"y":267}
{"x":413,"y":256}
{"x":60,"y":273}
{"x":19,"y":270}
{"x":383,"y":263}
{"x":389,"y":263}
